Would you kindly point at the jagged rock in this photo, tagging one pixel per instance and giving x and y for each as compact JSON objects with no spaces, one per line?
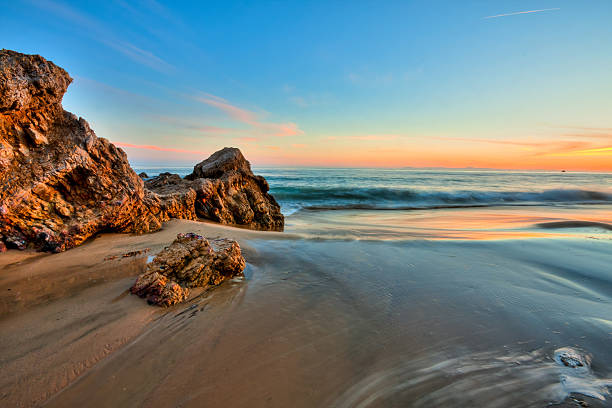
{"x":226,"y":191}
{"x":159,"y":290}
{"x":177,"y":197}
{"x":59,"y":183}
{"x":225,"y":160}
{"x":190,"y":261}
{"x":143,"y":175}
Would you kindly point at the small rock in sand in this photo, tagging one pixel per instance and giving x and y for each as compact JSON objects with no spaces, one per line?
{"x":190,"y":261}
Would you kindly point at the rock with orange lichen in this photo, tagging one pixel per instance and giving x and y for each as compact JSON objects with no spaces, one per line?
{"x":221,"y":188}
{"x":59,"y":182}
{"x":190,"y":261}
{"x":159,"y":290}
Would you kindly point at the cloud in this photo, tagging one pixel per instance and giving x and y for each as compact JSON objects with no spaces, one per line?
{"x":206,"y":129}
{"x":365,"y":137}
{"x":250,"y":118}
{"x":374,"y":137}
{"x":139,"y":55}
{"x":299,"y":101}
{"x":542,"y":143}
{"x":587,"y":128}
{"x":157,"y":148}
{"x":584,"y":132}
{"x":247,"y":139}
{"x":553,"y":147}
{"x":122,"y":93}
{"x":305,"y":100}
{"x":599,"y":151}
{"x":521,"y":12}
{"x":100,"y":33}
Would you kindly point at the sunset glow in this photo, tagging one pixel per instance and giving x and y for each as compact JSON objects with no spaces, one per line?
{"x":504,"y":85}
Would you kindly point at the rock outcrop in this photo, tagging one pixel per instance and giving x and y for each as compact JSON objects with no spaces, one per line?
{"x":190,"y":261}
{"x":59,"y":183}
{"x":222,"y":188}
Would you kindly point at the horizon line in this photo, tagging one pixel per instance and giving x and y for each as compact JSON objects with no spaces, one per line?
{"x":143,"y":166}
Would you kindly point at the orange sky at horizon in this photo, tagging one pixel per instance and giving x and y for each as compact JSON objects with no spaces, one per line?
{"x":574,"y":155}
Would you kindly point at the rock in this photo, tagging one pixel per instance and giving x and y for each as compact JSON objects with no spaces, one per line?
{"x":190,"y":261}
{"x":2,"y":247}
{"x":59,"y":182}
{"x":177,"y":197}
{"x":226,"y":191}
{"x":143,"y":175}
{"x":572,"y":358}
{"x":225,"y":160}
{"x":159,"y":290}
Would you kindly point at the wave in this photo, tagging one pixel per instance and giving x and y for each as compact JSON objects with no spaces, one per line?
{"x":322,"y":198}
{"x":574,"y":224}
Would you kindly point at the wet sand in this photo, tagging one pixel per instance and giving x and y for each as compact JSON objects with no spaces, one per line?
{"x":60,"y":314}
{"x":320,"y":322}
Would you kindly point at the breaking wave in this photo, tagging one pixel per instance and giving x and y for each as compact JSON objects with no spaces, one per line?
{"x":321,"y":198}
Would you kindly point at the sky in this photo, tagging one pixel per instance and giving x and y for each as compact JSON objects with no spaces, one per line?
{"x":415,"y":83}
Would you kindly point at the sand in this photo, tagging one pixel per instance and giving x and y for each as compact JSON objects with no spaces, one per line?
{"x":338,"y":323}
{"x":60,"y":314}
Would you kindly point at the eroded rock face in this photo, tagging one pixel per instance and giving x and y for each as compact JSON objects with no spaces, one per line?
{"x":59,"y":183}
{"x":226,"y":191}
{"x":190,"y":261}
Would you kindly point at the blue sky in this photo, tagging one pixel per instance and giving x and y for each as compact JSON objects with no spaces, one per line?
{"x":420,"y":83}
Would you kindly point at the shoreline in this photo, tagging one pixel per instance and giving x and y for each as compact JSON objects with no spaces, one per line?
{"x":61,"y":314}
{"x":69,"y":320}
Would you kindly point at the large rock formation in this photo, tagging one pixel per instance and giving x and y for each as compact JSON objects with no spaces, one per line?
{"x":191,"y":261}
{"x":222,"y":188}
{"x":60,"y":184}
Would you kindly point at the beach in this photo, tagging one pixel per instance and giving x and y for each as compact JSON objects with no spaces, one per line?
{"x":305,"y":204}
{"x":469,"y":316}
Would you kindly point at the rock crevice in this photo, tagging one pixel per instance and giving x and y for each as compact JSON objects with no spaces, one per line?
{"x":190,"y":261}
{"x":222,"y":188}
{"x":60,"y":183}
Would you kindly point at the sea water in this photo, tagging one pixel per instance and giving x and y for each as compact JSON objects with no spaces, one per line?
{"x":383,"y":204}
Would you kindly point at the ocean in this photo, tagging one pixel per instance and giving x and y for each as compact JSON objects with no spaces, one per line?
{"x":388,"y":288}
{"x":360,"y":203}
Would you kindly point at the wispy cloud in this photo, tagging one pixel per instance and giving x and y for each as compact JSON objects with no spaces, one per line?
{"x":102,"y":34}
{"x":250,"y":118}
{"x":157,"y":148}
{"x":191,"y":125}
{"x":247,"y":139}
{"x":305,"y":99}
{"x":378,"y":138}
{"x":585,"y":132}
{"x":521,"y":12}
{"x":599,"y":151}
{"x":550,"y":147}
